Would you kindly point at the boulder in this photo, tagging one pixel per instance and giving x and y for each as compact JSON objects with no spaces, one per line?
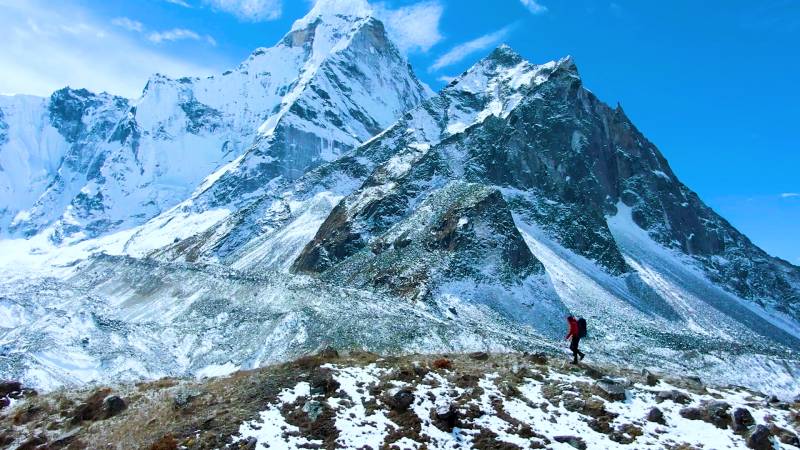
{"x":323,"y":383}
{"x":538,"y":358}
{"x":675,"y":396}
{"x":9,"y":386}
{"x":402,"y":400}
{"x":113,"y":405}
{"x":602,"y":424}
{"x":717,"y":413}
{"x":692,"y":413}
{"x":328,"y":353}
{"x":446,"y":416}
{"x":742,"y":420}
{"x":594,"y":407}
{"x":656,"y":415}
{"x":650,"y":378}
{"x":761,"y":439}
{"x":313,"y":409}
{"x":184,"y":396}
{"x":573,"y":441}
{"x":694,"y":383}
{"x":92,"y":407}
{"x":784,"y":436}
{"x":611,"y":389}
{"x":573,"y":404}
{"x":480,"y":356}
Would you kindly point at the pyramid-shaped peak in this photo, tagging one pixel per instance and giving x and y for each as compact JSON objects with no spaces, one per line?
{"x":505,"y":55}
{"x":329,"y":10}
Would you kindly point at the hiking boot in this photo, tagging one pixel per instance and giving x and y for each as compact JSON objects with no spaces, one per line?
{"x":582,"y":355}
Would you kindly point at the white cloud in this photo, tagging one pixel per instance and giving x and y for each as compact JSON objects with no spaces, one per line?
{"x":249,"y":10}
{"x":446,"y":79}
{"x":179,"y":3}
{"x":414,"y":27}
{"x":461,"y":51}
{"x":47,"y":47}
{"x":790,"y":194}
{"x":534,"y":6}
{"x":128,"y":24}
{"x":175,"y":34}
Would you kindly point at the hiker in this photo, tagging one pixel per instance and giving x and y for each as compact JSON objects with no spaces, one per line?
{"x":576,"y":333}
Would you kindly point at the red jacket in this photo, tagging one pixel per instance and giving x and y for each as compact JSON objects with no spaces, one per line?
{"x":573,"y":328}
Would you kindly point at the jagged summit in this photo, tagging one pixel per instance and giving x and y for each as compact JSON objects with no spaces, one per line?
{"x":335,"y":10}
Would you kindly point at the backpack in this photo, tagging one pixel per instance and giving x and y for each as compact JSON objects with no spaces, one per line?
{"x":582,"y":327}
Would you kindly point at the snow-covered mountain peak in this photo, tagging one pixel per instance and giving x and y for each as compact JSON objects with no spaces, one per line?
{"x":333,"y":11}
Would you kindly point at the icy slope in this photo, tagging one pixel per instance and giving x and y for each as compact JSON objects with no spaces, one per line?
{"x":125,"y":318}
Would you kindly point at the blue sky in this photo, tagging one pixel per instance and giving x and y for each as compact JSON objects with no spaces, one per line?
{"x":713,"y":84}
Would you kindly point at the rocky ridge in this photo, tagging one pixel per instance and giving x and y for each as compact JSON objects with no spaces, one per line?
{"x":480,"y":400}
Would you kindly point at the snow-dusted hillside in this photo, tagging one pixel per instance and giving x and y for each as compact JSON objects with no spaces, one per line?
{"x":361,"y":400}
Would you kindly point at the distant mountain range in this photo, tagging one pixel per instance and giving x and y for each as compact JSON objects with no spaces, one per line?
{"x":321,"y":194}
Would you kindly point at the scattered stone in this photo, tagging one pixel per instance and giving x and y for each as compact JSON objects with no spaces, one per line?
{"x":602,"y":424}
{"x":650,"y":378}
{"x":594,"y":407}
{"x":323,"y":383}
{"x":33,"y":443}
{"x":574,"y":404}
{"x":509,"y":389}
{"x":573,"y":441}
{"x":691,"y":413}
{"x":26,"y":414}
{"x":695,"y":383}
{"x":184,"y":396}
{"x":674,"y":395}
{"x":742,"y":420}
{"x":328,"y":353}
{"x":538,"y":358}
{"x":402,"y":400}
{"x":113,"y":405}
{"x":593,"y":372}
{"x":446,"y":416}
{"x":313,"y":409}
{"x":784,"y":435}
{"x":717,"y":414}
{"x":761,"y":439}
{"x":4,"y":401}
{"x":611,"y":389}
{"x":9,"y":386}
{"x":656,"y":415}
{"x":442,"y":363}
{"x":480,"y":356}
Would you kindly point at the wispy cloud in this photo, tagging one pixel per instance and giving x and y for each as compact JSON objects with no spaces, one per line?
{"x":414,"y":27}
{"x":128,"y":24}
{"x":446,"y":79}
{"x":461,"y":51}
{"x":88,"y":52}
{"x":175,"y":34}
{"x":178,"y":34}
{"x":534,"y":6}
{"x":249,"y":10}
{"x":790,"y":194}
{"x":179,"y":3}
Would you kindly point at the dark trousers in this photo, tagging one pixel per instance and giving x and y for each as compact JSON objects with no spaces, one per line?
{"x":574,"y":347}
